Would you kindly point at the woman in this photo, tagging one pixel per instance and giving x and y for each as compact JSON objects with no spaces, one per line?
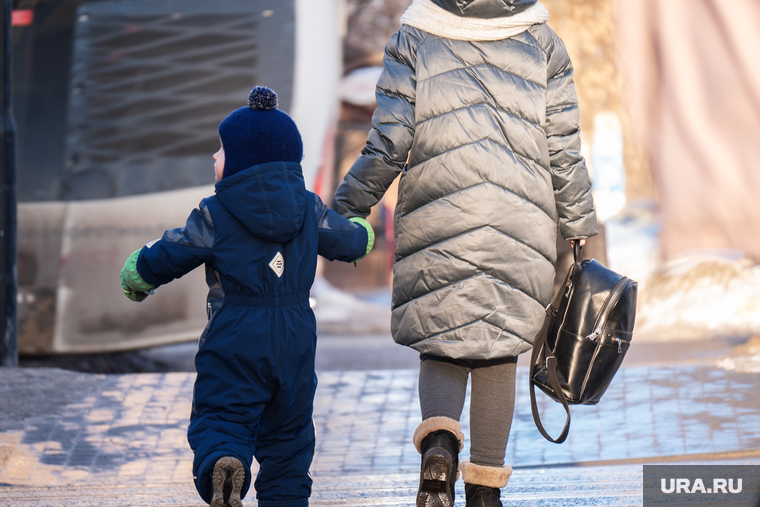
{"x":477,"y":110}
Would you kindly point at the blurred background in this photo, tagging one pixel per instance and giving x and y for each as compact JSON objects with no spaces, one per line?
{"x":117,"y":102}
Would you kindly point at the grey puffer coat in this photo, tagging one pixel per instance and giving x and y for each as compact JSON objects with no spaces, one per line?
{"x":486,"y":137}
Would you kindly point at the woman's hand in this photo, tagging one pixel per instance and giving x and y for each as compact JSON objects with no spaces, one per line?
{"x":572,"y":242}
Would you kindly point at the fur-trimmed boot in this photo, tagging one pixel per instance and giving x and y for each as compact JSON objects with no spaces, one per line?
{"x":482,"y":485}
{"x":439,"y":441}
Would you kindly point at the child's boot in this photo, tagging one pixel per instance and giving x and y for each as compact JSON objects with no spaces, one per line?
{"x":482,"y":484}
{"x":439,"y":441}
{"x":228,"y":478}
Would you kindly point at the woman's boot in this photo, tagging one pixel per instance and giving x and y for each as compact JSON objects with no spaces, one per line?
{"x":439,"y":441}
{"x":482,"y":485}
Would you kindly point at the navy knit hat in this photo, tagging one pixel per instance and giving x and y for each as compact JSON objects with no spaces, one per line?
{"x":258,"y":134}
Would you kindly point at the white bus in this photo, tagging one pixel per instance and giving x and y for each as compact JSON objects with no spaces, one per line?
{"x":117,"y":104}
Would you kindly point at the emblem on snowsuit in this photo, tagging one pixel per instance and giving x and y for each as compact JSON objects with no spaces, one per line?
{"x":278,"y":264}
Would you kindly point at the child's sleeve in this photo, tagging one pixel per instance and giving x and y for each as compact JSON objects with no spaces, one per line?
{"x":390,"y":139}
{"x":341,"y":239}
{"x":572,"y":190}
{"x":179,"y":251}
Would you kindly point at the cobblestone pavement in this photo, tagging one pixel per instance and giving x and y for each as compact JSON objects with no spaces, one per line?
{"x":618,"y":486}
{"x":122,"y":440}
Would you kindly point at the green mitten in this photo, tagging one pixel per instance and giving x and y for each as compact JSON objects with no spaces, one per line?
{"x":370,"y":234}
{"x":132,"y":284}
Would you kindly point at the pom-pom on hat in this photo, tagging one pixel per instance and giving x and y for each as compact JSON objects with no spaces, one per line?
{"x":259,"y":133}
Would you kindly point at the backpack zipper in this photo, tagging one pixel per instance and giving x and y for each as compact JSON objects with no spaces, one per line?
{"x":609,"y":304}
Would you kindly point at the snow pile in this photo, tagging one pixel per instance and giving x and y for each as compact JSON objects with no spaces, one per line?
{"x":746,"y":357}
{"x":699,"y":298}
{"x":744,"y":364}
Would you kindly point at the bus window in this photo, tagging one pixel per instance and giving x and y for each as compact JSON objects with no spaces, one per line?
{"x":138,"y":90}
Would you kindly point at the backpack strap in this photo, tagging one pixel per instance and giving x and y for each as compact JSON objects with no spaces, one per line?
{"x":539,"y":354}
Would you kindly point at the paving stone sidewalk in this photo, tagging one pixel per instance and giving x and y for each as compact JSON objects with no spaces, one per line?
{"x":70,"y":439}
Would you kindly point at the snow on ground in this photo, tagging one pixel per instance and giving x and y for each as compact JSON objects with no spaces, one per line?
{"x":695,"y":297}
{"x":746,"y":358}
{"x":700,"y":297}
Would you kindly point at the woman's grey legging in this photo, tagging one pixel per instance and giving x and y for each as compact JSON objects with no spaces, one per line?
{"x":442,"y":385}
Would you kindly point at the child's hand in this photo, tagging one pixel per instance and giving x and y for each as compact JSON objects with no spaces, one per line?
{"x":132,"y":284}
{"x":572,"y":242}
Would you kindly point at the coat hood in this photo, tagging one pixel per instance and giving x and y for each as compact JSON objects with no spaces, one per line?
{"x":269,"y":199}
{"x":484,"y":8}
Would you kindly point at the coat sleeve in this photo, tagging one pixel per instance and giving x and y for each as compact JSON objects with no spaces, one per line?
{"x":179,"y":251}
{"x":339,"y":238}
{"x":572,"y":190}
{"x":390,"y":139}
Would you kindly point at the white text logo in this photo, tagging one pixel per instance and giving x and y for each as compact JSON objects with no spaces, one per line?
{"x":685,"y":486}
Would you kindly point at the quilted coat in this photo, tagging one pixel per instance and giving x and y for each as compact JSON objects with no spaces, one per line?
{"x":485,"y":135}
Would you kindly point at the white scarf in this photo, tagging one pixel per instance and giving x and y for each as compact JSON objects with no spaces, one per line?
{"x":429,"y":17}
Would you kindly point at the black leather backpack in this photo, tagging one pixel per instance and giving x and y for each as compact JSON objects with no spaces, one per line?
{"x":586,"y":334}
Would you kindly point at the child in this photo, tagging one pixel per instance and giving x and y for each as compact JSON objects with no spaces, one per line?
{"x":259,"y":237}
{"x":477,"y":111}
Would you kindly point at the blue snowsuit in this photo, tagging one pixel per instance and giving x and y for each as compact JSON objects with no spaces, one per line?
{"x":259,"y":237}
